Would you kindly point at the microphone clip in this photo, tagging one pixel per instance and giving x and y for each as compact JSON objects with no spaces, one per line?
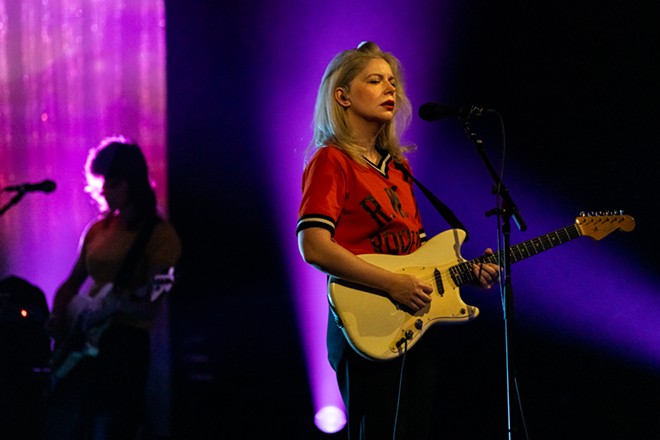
{"x":467,"y":111}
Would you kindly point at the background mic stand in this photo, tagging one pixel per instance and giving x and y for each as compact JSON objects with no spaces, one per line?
{"x":506,"y":211}
{"x":14,"y":200}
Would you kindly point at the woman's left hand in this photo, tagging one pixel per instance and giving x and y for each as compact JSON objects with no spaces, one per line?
{"x":488,"y":274}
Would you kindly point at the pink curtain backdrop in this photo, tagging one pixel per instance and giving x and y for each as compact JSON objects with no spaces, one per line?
{"x":71,"y":73}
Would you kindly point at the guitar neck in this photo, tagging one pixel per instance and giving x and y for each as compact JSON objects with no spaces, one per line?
{"x":463,"y":274}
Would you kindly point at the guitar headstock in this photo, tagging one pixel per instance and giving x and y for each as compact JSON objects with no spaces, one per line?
{"x":162,"y":283}
{"x":600,"y":224}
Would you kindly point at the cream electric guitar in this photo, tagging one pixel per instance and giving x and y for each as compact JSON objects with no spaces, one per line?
{"x":379,"y":329}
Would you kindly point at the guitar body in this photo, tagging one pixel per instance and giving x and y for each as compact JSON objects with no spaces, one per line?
{"x":379,"y":329}
{"x":89,"y":317}
{"x":82,"y":304}
{"x":84,"y":332}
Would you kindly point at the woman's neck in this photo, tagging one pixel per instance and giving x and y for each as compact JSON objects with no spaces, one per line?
{"x":366,"y":133}
{"x":368,"y":144}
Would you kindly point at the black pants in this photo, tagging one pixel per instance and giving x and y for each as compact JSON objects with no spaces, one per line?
{"x":380,"y":400}
{"x":103,"y":397}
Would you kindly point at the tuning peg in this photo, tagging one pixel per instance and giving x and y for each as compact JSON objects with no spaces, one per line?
{"x":614,"y":212}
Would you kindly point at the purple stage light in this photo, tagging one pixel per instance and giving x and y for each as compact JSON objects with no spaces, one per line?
{"x":330,"y":419}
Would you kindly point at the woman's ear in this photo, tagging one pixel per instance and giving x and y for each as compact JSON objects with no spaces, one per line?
{"x":342,"y":97}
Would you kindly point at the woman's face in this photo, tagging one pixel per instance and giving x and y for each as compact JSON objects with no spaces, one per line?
{"x":372,"y":94}
{"x":115,"y":192}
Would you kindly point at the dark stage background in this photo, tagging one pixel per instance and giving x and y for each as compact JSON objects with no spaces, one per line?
{"x":578,"y":88}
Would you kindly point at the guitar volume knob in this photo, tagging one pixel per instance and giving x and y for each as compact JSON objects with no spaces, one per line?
{"x":419,"y":324}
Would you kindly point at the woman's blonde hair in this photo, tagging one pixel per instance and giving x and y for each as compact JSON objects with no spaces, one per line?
{"x":330,"y":121}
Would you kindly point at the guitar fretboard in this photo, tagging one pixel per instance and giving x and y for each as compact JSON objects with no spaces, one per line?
{"x":462,"y":273}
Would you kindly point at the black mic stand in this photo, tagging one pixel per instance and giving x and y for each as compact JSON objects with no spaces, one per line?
{"x":14,"y":200}
{"x":506,"y":211}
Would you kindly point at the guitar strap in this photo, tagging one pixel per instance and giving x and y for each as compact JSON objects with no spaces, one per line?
{"x":127,"y":267}
{"x":443,"y":209}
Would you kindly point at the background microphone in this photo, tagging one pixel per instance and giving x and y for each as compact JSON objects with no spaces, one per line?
{"x":434,"y":112}
{"x":45,"y":186}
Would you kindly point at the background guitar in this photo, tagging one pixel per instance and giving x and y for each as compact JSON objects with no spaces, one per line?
{"x":90,"y":316}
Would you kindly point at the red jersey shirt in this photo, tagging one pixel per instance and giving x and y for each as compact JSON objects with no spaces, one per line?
{"x":367,"y":209}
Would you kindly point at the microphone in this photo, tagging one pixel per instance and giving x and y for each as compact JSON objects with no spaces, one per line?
{"x":434,"y":112}
{"x":45,"y":186}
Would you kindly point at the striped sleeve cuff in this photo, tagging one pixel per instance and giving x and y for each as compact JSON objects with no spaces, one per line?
{"x":316,"y":221}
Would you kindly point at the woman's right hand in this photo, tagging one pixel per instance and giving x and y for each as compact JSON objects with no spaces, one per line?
{"x":409,"y":291}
